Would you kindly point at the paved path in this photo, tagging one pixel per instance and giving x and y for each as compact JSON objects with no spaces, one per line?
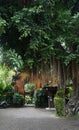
{"x":34,"y":119}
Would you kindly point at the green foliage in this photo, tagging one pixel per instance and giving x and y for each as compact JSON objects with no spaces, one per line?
{"x":60,"y":93}
{"x":18,"y":100}
{"x":3,"y":24}
{"x":29,"y":87}
{"x":68,"y":92}
{"x":30,"y":62}
{"x":9,"y":88}
{"x":2,"y":86}
{"x":41,"y":99}
{"x":11,"y":59}
{"x":31,"y":22}
{"x":3,"y":74}
{"x":29,"y":100}
{"x":72,"y":40}
{"x":38,"y":30}
{"x":6,"y":91}
{"x":59,"y":102}
{"x":59,"y":105}
{"x":6,"y":75}
{"x":6,"y":88}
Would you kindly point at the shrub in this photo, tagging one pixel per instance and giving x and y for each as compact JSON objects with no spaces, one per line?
{"x":5,"y":82}
{"x":68,"y":92}
{"x":60,"y":93}
{"x":28,"y":99}
{"x":29,"y":87}
{"x":41,"y":98}
{"x":59,"y":105}
{"x":6,"y":91}
{"x":18,"y":100}
{"x":59,"y":102}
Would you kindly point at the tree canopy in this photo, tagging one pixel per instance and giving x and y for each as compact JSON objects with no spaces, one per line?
{"x":38,"y":29}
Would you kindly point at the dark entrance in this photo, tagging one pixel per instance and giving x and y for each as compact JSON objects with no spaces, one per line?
{"x":50,"y":92}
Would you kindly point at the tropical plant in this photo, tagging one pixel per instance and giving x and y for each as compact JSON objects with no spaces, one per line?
{"x":6,"y":92}
{"x":29,"y":87}
{"x":28,"y":99}
{"x":6,"y":74}
{"x":5,"y":82}
{"x":12,"y":60}
{"x":3,"y":25}
{"x":18,"y":100}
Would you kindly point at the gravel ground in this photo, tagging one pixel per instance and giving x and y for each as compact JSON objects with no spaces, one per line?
{"x":30,"y":118}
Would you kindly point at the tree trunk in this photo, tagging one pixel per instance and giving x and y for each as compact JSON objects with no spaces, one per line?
{"x":72,"y":107}
{"x":54,"y":77}
{"x":43,"y":73}
{"x":77,"y":89}
{"x":60,"y":77}
{"x":74,"y":77}
{"x":64,"y":76}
